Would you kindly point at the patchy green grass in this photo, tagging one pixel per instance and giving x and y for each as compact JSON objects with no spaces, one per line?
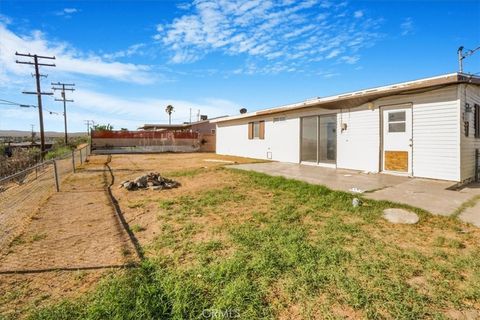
{"x":270,"y":247}
{"x":468,"y":204}
{"x":137,"y":228}
{"x":210,"y":200}
{"x":58,"y":152}
{"x":186,"y":173}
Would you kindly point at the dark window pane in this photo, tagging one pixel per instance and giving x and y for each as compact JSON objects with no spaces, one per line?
{"x":396,"y":116}
{"x":396,"y":127}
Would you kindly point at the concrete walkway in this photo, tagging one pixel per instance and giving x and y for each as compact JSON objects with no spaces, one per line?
{"x":430,"y":195}
{"x":472,"y":214}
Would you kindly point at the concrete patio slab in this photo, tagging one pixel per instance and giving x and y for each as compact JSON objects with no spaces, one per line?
{"x":336,"y":179}
{"x":431,"y":195}
{"x":472,"y":215}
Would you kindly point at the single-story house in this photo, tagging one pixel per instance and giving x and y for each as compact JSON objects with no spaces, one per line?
{"x":427,"y":128}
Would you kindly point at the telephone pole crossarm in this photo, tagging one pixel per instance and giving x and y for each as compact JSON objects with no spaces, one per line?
{"x":38,"y":92}
{"x":63,"y":87}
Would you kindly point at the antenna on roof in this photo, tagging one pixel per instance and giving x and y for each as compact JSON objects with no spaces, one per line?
{"x":462,"y":56}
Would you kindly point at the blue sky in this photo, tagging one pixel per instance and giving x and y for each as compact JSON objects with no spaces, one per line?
{"x":130,"y":59}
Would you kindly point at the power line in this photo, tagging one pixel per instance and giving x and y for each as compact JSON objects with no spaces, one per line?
{"x":7,"y":102}
{"x":39,"y":92}
{"x":11,"y":103}
{"x":64,"y":87}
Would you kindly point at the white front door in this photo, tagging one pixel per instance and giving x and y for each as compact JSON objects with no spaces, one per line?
{"x":397,"y":139}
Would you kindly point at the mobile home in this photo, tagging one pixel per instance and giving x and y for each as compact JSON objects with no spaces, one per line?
{"x":427,"y":128}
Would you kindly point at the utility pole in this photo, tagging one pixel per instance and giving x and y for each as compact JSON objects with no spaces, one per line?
{"x":460,"y":59}
{"x":65,"y":100}
{"x":88,"y":123}
{"x":33,"y":134}
{"x":39,"y":92}
{"x":198,"y":115}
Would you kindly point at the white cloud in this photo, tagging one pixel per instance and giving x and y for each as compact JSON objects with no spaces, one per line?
{"x":70,"y":10}
{"x":333,"y":53}
{"x":286,"y":31}
{"x":68,"y":59}
{"x":358,"y":14}
{"x":349,"y":59}
{"x":115,"y":109}
{"x":67,"y":12}
{"x":132,"y":112}
{"x":407,"y":27}
{"x":5,"y":20}
{"x":184,"y":6}
{"x":130,"y":51}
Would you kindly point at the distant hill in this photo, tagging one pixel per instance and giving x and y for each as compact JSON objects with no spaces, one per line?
{"x":48,"y":134}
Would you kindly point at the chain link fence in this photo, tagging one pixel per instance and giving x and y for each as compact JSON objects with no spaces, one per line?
{"x":22,"y":193}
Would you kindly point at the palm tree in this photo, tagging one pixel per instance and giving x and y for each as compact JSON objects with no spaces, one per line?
{"x":169,"y":110}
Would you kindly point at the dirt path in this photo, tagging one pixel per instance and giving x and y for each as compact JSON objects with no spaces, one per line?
{"x":75,"y":229}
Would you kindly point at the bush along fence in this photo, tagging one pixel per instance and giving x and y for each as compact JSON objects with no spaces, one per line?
{"x":21,"y":193}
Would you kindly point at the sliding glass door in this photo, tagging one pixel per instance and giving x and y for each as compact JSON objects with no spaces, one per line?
{"x":327,"y":137}
{"x":309,"y":139}
{"x":319,"y":139}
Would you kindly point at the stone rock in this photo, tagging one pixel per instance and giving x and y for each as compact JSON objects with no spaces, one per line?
{"x":152,"y":180}
{"x":356,"y":202}
{"x":130,"y":185}
{"x":141,"y":181}
{"x":396,"y":215}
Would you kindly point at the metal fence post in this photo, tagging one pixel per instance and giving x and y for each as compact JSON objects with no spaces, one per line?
{"x":55,"y":174}
{"x":73,"y":160}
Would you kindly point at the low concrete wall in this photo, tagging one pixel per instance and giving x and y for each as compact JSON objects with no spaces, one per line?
{"x":207,"y":142}
{"x":152,"y":141}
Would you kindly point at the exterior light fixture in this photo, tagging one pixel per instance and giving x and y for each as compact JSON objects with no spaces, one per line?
{"x":468,"y":108}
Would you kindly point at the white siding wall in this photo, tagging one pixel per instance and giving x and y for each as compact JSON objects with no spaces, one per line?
{"x":468,"y":94}
{"x":358,"y":146}
{"x":436,"y":132}
{"x":436,"y":135}
{"x":282,"y":139}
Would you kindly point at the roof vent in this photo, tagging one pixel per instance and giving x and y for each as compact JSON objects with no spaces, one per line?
{"x":243,"y":111}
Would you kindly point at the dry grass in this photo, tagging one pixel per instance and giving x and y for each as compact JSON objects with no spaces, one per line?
{"x":268,"y":247}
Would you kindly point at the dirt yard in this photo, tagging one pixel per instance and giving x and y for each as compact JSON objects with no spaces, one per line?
{"x":70,"y":239}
